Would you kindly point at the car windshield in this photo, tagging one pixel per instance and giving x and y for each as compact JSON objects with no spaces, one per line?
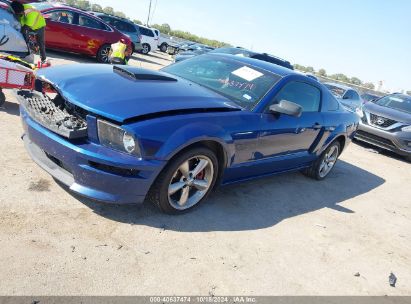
{"x":369,"y":97}
{"x":397,"y":102}
{"x":232,"y":51}
{"x":336,"y":91}
{"x":245,"y":85}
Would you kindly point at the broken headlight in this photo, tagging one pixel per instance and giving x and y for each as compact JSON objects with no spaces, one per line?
{"x":117,"y":138}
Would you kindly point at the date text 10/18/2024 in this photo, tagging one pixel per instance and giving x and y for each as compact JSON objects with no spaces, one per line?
{"x":206,"y":299}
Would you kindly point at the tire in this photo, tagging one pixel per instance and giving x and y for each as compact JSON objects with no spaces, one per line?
{"x":175,"y":192}
{"x":146,"y":49}
{"x":317,"y":170}
{"x":163,"y":47}
{"x":133,"y":48}
{"x":407,"y":158}
{"x":102,"y":54}
{"x":2,"y":98}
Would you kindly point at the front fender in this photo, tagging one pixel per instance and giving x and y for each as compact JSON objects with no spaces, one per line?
{"x":194,"y":133}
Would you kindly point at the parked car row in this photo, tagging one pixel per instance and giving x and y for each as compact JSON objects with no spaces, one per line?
{"x":89,"y":33}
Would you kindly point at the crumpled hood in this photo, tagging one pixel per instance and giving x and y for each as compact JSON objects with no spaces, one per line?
{"x":106,"y":91}
{"x":387,"y":112}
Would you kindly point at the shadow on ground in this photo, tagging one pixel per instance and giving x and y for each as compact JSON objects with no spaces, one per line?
{"x":158,"y":57}
{"x":144,"y":59}
{"x":10,"y":108}
{"x":253,"y":205}
{"x":381,"y":151}
{"x":70,"y":57}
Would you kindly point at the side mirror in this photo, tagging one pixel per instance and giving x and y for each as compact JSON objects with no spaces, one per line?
{"x":287,"y":107}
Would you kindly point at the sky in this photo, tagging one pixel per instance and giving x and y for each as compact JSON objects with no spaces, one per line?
{"x":368,"y":39}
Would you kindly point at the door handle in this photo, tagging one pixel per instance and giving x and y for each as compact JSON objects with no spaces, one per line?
{"x":317,"y":126}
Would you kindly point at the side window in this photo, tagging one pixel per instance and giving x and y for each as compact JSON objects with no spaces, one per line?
{"x":62,"y":16}
{"x":123,"y":26}
{"x":303,"y":94}
{"x":146,"y":32}
{"x":349,"y":95}
{"x":355,"y":95}
{"x":90,"y":22}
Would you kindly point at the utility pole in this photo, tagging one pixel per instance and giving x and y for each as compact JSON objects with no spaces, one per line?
{"x":149,"y":12}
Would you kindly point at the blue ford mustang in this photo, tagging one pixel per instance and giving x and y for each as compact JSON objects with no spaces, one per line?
{"x":125,"y":135}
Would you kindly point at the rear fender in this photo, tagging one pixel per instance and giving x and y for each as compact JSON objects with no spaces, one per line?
{"x":330,"y":137}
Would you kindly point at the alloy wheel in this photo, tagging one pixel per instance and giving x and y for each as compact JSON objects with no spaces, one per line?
{"x":146,"y":49}
{"x":105,"y":54}
{"x":328,"y":162}
{"x":190,"y":182}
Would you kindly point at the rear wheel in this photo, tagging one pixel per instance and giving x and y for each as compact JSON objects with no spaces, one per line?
{"x":146,"y":48}
{"x":325,"y":163}
{"x":185,"y":182}
{"x":163,"y":47}
{"x":103,"y":53}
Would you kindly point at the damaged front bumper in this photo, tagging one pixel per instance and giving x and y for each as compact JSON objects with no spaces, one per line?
{"x":86,"y":167}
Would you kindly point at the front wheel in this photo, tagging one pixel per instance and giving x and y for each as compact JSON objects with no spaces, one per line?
{"x":103,"y":53}
{"x":185,"y":182}
{"x":325,"y":163}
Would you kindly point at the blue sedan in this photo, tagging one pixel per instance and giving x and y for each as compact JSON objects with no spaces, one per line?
{"x":121,"y":134}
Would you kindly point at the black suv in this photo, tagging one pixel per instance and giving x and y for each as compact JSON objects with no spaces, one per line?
{"x":124,"y":26}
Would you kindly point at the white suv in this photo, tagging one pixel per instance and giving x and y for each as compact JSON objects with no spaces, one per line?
{"x":149,"y":40}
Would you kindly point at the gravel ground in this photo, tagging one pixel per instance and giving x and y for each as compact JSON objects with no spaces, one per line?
{"x":284,"y":235}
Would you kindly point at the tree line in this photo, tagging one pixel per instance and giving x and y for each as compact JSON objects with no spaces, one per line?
{"x":164,"y":28}
{"x":339,"y":76}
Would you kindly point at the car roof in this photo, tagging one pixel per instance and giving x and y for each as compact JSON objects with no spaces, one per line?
{"x":145,"y":27}
{"x":252,"y":53}
{"x":341,"y":86}
{"x":98,"y":14}
{"x":50,"y":6}
{"x":271,"y":67}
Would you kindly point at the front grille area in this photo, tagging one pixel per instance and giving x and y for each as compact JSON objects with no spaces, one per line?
{"x":375,"y":139}
{"x":54,"y":114}
{"x":380,"y":121}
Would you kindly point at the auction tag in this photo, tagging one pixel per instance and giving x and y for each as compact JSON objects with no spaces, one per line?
{"x":247,"y":73}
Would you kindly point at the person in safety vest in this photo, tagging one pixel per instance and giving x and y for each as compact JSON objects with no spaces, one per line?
{"x":31,"y":20}
{"x":118,"y":52}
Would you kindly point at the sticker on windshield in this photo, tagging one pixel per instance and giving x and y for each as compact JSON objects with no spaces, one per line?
{"x":247,"y":73}
{"x":246,"y":96}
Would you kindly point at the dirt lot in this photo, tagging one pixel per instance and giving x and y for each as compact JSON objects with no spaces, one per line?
{"x":283,"y":235}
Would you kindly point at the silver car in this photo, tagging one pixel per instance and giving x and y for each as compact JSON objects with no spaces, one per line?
{"x":11,"y":40}
{"x":347,"y":96}
{"x":386,"y":123}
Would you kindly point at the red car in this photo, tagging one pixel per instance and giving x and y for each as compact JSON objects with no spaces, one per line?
{"x":73,"y":30}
